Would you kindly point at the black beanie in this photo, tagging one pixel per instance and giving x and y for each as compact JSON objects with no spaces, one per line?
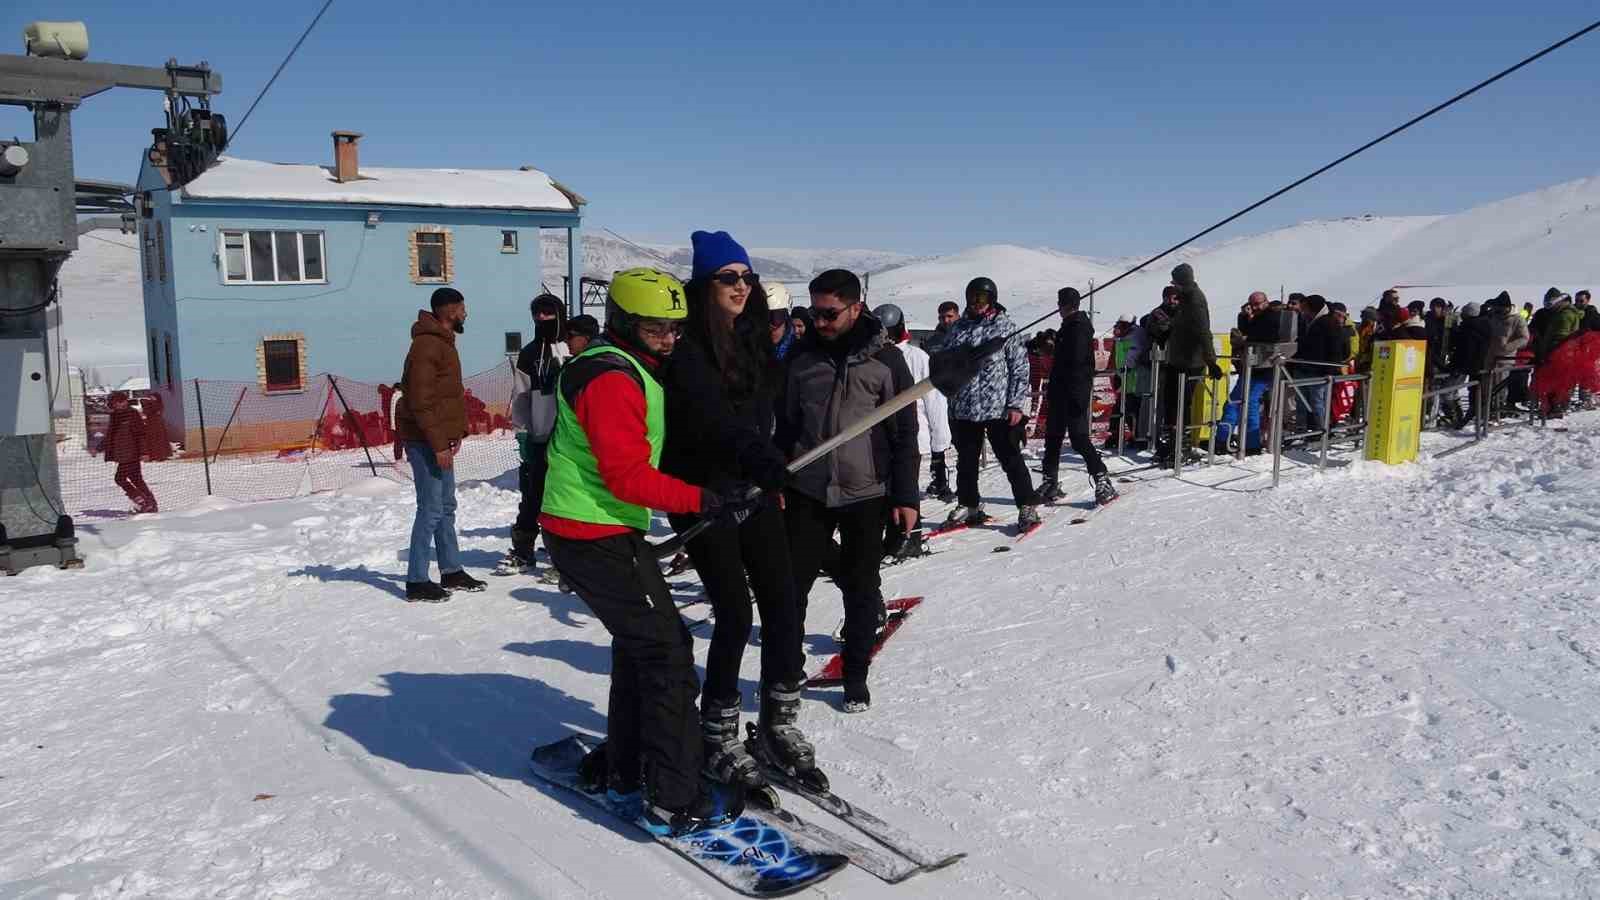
{"x":1183,"y":274}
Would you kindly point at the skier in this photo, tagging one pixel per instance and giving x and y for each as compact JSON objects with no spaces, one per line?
{"x":990,"y":405}
{"x":1067,"y":400}
{"x":1189,"y":350}
{"x":933,"y":424}
{"x":845,"y":370}
{"x":780,"y":321}
{"x":601,"y":486}
{"x":949,"y":313}
{"x":124,"y":445}
{"x":431,"y":419}
{"x":719,"y":401}
{"x":533,"y":411}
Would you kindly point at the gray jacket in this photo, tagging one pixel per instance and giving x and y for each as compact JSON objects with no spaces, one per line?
{"x":828,"y":387}
{"x":1508,"y":333}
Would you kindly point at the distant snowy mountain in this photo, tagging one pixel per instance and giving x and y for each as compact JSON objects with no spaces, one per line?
{"x":1522,"y":244}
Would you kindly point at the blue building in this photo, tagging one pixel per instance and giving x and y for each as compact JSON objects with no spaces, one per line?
{"x":270,"y":273}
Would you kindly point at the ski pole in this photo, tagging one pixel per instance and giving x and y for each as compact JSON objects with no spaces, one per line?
{"x":852,"y":431}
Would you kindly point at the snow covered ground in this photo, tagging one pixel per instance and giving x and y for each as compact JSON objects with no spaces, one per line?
{"x":1373,"y":681}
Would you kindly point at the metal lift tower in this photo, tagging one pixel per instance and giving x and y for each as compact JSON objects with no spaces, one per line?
{"x":38,"y":231}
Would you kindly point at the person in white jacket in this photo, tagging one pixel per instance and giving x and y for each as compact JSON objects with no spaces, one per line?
{"x":933,"y":418}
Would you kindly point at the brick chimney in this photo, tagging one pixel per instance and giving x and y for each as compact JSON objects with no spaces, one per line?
{"x":346,"y":157}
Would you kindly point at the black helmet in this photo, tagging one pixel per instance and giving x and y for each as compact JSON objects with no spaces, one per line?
{"x":890,"y":315}
{"x":984,"y":284}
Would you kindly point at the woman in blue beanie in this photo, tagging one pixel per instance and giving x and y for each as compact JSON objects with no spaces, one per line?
{"x":720,"y":391}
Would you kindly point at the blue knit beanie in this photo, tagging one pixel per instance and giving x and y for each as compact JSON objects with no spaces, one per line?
{"x":713,"y":250}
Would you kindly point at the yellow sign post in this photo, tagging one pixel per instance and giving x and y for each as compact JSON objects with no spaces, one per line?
{"x":1395,"y":431}
{"x":1211,"y":397}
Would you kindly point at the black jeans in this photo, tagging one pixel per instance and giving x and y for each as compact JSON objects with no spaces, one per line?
{"x":733,"y":561}
{"x":530,"y":480}
{"x":810,"y":524}
{"x":652,"y":724}
{"x":967,"y":438}
{"x":1169,"y":404}
{"x":1069,"y":416}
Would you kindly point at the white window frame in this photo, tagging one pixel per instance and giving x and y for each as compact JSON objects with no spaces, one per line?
{"x":516,"y":240}
{"x":249,"y":273}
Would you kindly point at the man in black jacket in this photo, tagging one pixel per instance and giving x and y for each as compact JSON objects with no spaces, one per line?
{"x":846,"y":368}
{"x":1469,"y":356}
{"x":1189,"y":351}
{"x":1322,"y":340}
{"x":534,"y":410}
{"x":1071,"y":384}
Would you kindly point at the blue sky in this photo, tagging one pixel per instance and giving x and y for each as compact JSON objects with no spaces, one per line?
{"x":1103,"y":129}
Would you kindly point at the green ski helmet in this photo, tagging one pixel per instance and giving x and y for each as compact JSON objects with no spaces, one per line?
{"x":643,"y":294}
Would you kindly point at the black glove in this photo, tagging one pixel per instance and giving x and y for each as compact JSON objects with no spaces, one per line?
{"x":731,"y":506}
{"x":767,"y":469}
{"x":1214,"y":370}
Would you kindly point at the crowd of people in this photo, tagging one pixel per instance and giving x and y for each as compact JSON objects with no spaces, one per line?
{"x":699,"y":399}
{"x":693,"y":400}
{"x":1531,"y":360}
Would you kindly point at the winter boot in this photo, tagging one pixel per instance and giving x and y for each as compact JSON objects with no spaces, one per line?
{"x":856,"y":697}
{"x":778,"y":742}
{"x":1050,"y":490}
{"x":516,"y":563}
{"x":1028,"y":518}
{"x":1104,"y":491}
{"x":425,"y":592}
{"x":727,"y":760}
{"x":966,"y":515}
{"x":716,"y":804}
{"x":912,"y":547}
{"x":461,"y":581}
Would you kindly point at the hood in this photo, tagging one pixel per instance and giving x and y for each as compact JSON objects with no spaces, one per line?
{"x":552,"y":303}
{"x":426,"y":324}
{"x":1183,"y":275}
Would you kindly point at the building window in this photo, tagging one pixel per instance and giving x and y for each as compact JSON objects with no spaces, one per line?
{"x":281,"y":363}
{"x":149,"y":246}
{"x":273,"y":257}
{"x":508,"y":242}
{"x":432,"y":256}
{"x":155,"y":359}
{"x":513,"y":342}
{"x":168,"y":338}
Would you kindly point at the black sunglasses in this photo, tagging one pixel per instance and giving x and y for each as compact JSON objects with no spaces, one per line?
{"x":729,"y":279}
{"x":827,"y":313}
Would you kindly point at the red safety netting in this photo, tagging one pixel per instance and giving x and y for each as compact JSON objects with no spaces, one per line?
{"x":237,"y":441}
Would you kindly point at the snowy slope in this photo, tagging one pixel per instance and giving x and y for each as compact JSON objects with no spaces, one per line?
{"x":1028,"y":279}
{"x":1373,"y":682}
{"x":102,"y":303}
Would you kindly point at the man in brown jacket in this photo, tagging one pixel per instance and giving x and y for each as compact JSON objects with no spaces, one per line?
{"x":431,"y":419}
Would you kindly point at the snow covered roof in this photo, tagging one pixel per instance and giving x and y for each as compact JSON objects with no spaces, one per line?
{"x":248,"y":179}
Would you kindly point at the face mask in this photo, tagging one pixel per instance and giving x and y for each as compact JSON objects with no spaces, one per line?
{"x":545,"y":329}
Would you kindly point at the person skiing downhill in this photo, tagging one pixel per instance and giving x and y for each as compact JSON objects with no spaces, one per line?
{"x":844,"y":370}
{"x":1067,"y":399}
{"x":720,"y":389}
{"x":602,"y":483}
{"x":990,"y":405}
{"x":933,"y":420}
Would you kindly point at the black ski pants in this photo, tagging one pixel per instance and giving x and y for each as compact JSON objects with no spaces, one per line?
{"x":530,"y":480}
{"x":653,"y":727}
{"x":1069,"y":417}
{"x":811,"y":523}
{"x":967,"y":437}
{"x":733,"y":561}
{"x":1169,"y":403}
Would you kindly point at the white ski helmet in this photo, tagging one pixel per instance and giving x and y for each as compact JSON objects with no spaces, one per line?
{"x":777,"y":296}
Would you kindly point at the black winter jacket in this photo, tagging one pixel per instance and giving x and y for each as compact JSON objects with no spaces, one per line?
{"x":830,"y":386}
{"x":1469,"y":345}
{"x":1190,"y":347}
{"x":712,"y":440}
{"x":1072,"y":369}
{"x":1322,"y":340}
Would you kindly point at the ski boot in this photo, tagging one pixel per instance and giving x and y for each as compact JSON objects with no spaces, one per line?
{"x":912,"y":547}
{"x":778,"y":742}
{"x":716,"y":804}
{"x":1104,"y":491}
{"x":857,"y":699}
{"x":727,"y":759}
{"x":966,"y":515}
{"x":939,"y":488}
{"x":1028,"y":518}
{"x":1050,"y":490}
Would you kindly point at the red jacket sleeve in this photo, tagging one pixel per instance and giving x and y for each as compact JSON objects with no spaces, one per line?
{"x":611,"y":411}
